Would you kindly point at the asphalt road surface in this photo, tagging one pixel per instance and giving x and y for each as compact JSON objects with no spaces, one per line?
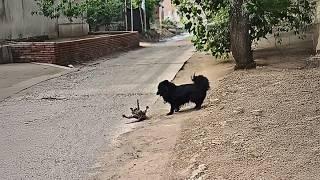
{"x":58,"y":128}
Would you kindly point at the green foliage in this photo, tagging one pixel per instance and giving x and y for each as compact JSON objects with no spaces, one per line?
{"x":151,"y":6}
{"x":95,"y":12}
{"x":275,"y":16}
{"x":99,"y":12}
{"x":46,"y":8}
{"x":52,"y":9}
{"x":168,"y":24}
{"x":209,"y":21}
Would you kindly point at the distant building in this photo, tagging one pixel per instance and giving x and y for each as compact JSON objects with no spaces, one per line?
{"x":169,"y":10}
{"x":166,"y":10}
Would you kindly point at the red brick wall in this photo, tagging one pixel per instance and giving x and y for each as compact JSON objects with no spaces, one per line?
{"x":66,"y":52}
{"x":34,"y":52}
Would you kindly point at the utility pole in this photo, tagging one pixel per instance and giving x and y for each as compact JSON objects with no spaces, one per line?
{"x":131,"y":16}
{"x":126,"y":14}
{"x":144,"y":15}
{"x":160,"y":16}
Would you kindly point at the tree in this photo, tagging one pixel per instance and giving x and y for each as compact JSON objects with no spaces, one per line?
{"x":55,"y":9}
{"x":95,"y":12}
{"x":224,"y":26}
{"x":240,"y":39}
{"x":151,"y":6}
{"x":101,"y":12}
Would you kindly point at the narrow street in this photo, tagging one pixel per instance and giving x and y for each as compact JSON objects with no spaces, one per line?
{"x":58,"y":128}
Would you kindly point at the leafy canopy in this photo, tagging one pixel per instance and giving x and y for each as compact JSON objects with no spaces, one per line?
{"x":102,"y":12}
{"x":96,"y":12}
{"x":209,"y":20}
{"x":151,"y":6}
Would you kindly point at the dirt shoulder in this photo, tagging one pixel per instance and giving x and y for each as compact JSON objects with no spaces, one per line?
{"x":259,"y":124}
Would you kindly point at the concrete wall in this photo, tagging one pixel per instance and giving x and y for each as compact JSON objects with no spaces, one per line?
{"x":73,"y":29}
{"x":5,"y":55}
{"x":317,"y":22}
{"x":16,"y":20}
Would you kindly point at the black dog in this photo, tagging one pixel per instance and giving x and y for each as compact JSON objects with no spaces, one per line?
{"x":180,"y":95}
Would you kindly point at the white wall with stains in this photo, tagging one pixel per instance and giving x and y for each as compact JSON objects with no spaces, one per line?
{"x":16,"y":20}
{"x":317,"y":22}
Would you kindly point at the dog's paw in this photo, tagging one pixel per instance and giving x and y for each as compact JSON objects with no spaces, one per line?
{"x":170,"y":113}
{"x":197,"y":108}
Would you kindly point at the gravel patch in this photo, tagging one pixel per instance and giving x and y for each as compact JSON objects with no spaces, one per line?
{"x":259,"y":124}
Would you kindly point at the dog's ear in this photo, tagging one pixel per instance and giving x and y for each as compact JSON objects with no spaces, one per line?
{"x":193,"y":76}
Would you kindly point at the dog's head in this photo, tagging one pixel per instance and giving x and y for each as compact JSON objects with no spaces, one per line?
{"x":165,"y":88}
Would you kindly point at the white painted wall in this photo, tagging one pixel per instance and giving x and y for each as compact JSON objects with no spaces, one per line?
{"x":317,"y":37}
{"x":16,"y":20}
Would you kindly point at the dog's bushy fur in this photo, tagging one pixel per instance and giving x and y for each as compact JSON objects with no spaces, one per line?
{"x":182,"y":94}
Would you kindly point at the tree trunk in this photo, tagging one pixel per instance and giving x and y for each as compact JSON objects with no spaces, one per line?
{"x":240,"y":37}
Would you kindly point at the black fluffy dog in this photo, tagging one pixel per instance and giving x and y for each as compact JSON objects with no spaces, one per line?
{"x":180,"y":95}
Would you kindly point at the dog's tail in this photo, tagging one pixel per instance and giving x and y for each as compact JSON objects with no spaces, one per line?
{"x":201,"y":82}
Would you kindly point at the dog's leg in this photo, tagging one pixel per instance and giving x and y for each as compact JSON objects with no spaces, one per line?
{"x":198,"y":105}
{"x":177,"y":109}
{"x":145,"y":111}
{"x":128,"y":117}
{"x":171,"y":110}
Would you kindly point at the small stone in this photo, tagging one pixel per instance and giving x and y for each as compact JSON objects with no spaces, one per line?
{"x":205,"y":148}
{"x":216,"y":101}
{"x":202,"y":167}
{"x":233,"y":90}
{"x":198,"y":173}
{"x":257,"y":112}
{"x":215,"y":142}
{"x":238,"y":110}
{"x":70,"y":66}
{"x":223,"y":123}
{"x":225,"y":94}
{"x":313,"y":118}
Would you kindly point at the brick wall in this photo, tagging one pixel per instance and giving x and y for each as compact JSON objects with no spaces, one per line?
{"x":34,"y":52}
{"x":66,"y":52}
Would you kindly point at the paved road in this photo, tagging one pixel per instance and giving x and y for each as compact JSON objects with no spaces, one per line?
{"x":58,"y":128}
{"x":18,"y":76}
